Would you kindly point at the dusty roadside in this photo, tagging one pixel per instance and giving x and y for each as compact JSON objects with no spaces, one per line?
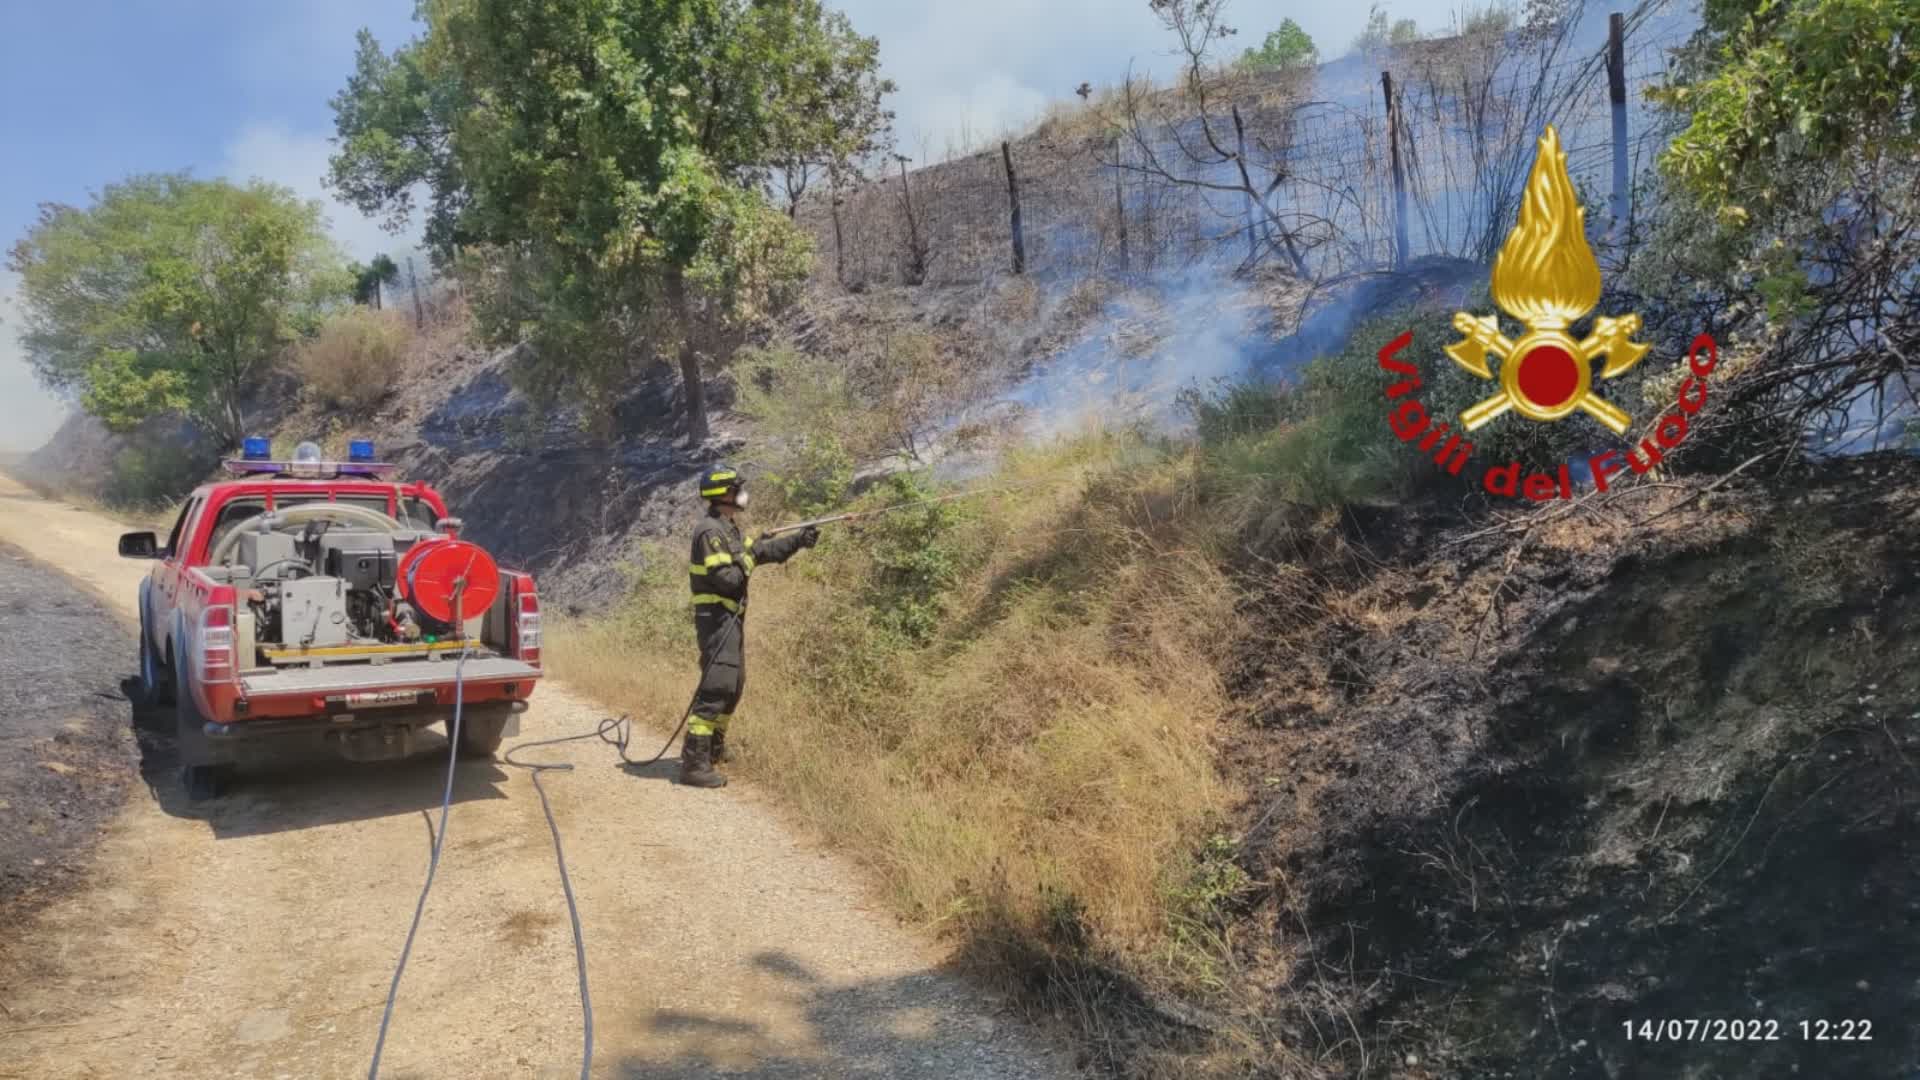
{"x":254,"y":937}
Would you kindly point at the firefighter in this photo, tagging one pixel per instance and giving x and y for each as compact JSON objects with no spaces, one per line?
{"x":723,"y":561}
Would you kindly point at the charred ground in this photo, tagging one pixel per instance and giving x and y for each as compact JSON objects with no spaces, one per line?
{"x":66,"y":753}
{"x":1645,"y":758}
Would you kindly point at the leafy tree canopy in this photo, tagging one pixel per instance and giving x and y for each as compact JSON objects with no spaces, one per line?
{"x":394,"y":124}
{"x":172,"y":294}
{"x":1287,"y":48}
{"x":1776,"y":85}
{"x":1792,"y":222}
{"x":1382,"y":32}
{"x":614,"y":157}
{"x":368,"y":277}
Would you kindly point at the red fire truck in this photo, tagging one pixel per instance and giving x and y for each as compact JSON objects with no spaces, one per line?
{"x":307,"y":597}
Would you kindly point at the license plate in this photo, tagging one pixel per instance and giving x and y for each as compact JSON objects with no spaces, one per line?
{"x":373,"y":699}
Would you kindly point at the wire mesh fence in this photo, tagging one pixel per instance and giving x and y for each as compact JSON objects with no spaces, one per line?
{"x":1126,"y":187}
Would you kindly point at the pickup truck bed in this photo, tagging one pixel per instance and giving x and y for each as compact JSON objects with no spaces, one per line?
{"x":397,"y":675}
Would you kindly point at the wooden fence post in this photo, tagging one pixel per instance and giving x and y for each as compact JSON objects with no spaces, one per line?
{"x":1013,"y":198}
{"x":1399,"y":176}
{"x":1120,"y":203}
{"x":839,"y":238}
{"x":916,"y":252}
{"x":413,"y":283}
{"x":1240,"y":151}
{"x":1617,"y":93}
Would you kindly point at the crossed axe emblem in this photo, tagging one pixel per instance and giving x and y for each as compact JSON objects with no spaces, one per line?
{"x":1546,"y":374}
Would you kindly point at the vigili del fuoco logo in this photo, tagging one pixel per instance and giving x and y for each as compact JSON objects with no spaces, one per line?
{"x":1546,"y":278}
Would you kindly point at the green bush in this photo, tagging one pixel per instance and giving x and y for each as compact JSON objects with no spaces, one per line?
{"x":654,"y":613}
{"x":815,"y":477}
{"x":1234,"y":409}
{"x":1324,"y":439}
{"x":915,"y":560}
{"x":1320,"y":440}
{"x":147,"y":476}
{"x":792,"y":394}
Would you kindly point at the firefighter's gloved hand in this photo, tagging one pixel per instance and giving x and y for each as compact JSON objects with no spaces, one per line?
{"x":809,"y":536}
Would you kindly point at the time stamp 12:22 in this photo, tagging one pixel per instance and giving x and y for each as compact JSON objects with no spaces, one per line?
{"x":1721,"y":1030}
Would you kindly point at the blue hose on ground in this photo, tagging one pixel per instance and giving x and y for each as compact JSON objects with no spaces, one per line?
{"x":433,"y":864}
{"x":617,"y":732}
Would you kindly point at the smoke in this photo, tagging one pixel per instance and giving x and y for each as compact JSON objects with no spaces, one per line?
{"x":1205,"y":328}
{"x":30,"y":413}
{"x":1189,"y":315}
{"x":1149,"y":343}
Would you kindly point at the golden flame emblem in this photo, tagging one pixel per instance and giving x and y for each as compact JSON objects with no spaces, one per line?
{"x":1546,"y":277}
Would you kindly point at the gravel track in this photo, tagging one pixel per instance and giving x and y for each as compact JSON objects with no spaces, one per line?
{"x":254,"y":937}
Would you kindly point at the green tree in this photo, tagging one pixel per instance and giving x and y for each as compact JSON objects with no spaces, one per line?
{"x":1777,"y":89}
{"x":614,"y":156}
{"x":368,"y":278}
{"x":1285,"y":49}
{"x":1382,"y":32}
{"x":1494,"y":20}
{"x":394,"y":127}
{"x":1794,"y":196}
{"x":171,"y":294}
{"x":839,"y":124}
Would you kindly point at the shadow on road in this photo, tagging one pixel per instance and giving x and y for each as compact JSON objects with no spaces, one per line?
{"x":301,"y":783}
{"x":666,"y":770}
{"x":924,"y":1024}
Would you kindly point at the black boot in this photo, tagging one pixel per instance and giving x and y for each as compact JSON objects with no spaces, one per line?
{"x":696,"y":763}
{"x":720,"y":756}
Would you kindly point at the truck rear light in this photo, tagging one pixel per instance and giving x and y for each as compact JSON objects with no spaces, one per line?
{"x":526,"y":622}
{"x":216,"y":645}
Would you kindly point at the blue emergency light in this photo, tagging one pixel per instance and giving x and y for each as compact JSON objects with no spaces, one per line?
{"x":307,"y":463}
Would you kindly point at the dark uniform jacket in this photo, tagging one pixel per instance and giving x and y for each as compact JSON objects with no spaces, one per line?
{"x":723,"y":560}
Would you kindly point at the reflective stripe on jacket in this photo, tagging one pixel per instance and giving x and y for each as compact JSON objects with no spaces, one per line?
{"x":723,"y":560}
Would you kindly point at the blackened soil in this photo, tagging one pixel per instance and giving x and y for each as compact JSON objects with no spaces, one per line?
{"x":1671,"y":776}
{"x":66,"y":755}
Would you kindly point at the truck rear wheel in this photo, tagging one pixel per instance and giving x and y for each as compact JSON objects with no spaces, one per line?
{"x":154,"y":690}
{"x":206,"y":782}
{"x":482,"y":728}
{"x":201,"y":771}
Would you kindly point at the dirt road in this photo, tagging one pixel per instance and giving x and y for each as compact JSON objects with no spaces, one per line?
{"x":255,"y":936}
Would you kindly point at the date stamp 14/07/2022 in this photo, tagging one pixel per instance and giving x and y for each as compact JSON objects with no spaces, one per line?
{"x":1724,"y":1029}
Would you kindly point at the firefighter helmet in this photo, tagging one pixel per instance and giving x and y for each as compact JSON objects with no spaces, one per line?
{"x":720,"y":482}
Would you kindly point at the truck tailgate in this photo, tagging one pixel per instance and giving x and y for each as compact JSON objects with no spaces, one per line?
{"x":400,"y":674}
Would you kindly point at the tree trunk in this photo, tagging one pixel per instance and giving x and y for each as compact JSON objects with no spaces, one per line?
{"x":695,"y":389}
{"x":236,"y":432}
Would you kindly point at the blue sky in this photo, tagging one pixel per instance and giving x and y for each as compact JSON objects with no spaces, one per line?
{"x":96,"y":89}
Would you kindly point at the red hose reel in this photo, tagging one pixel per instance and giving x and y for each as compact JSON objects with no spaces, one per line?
{"x":433,"y":570}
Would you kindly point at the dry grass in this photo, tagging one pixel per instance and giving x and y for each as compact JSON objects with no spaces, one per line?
{"x":1050,"y":741}
{"x":356,"y":360}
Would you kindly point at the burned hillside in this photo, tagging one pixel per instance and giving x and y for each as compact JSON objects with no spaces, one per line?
{"x":1513,"y":790}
